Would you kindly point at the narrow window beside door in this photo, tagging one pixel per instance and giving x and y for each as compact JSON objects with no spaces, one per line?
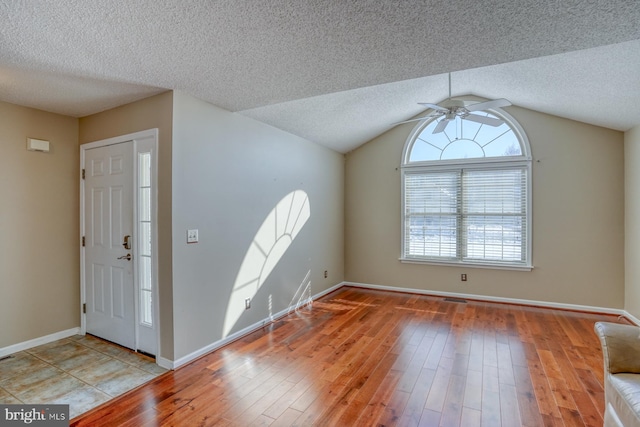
{"x":144,"y":230}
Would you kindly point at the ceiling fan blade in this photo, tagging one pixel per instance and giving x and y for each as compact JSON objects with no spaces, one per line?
{"x":487,"y":105}
{"x":442,"y":125}
{"x":483,"y":119}
{"x":434,"y":106}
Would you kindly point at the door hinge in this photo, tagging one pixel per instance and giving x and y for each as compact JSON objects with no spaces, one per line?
{"x":83,"y":173}
{"x":83,"y":241}
{"x":84,"y":307}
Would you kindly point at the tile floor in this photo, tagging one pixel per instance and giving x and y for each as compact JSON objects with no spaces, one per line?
{"x":82,"y":371}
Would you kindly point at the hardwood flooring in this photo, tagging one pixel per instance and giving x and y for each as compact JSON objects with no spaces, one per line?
{"x":373,"y":358}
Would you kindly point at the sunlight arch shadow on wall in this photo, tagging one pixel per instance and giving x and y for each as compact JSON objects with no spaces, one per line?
{"x":270,"y":243}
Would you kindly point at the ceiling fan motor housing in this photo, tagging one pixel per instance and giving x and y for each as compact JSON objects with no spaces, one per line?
{"x":454,"y":103}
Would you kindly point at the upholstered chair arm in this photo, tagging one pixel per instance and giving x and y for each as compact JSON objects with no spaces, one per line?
{"x":620,"y":347}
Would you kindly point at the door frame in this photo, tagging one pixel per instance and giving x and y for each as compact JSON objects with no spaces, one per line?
{"x":151,"y":134}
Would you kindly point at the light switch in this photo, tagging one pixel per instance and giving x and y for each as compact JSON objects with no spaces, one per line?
{"x":192,"y":236}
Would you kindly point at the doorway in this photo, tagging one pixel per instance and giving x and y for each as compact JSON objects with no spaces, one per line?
{"x":118,"y":194}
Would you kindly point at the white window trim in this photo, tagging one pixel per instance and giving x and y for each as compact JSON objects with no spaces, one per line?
{"x":483,"y":163}
{"x":467,"y":264}
{"x":508,"y":118}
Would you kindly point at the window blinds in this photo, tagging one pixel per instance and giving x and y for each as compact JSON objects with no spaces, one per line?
{"x":468,"y":215}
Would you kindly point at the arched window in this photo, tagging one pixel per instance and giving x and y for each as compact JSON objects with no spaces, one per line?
{"x":467,"y":193}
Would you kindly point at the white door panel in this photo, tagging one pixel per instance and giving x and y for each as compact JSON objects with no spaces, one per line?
{"x":108,"y":195}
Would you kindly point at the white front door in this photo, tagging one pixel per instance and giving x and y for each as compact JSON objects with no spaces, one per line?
{"x":108,"y":213}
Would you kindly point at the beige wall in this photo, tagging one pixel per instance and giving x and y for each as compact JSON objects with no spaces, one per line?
{"x":578,"y":219}
{"x":149,"y":113}
{"x":39,"y":237}
{"x":223,"y":173}
{"x":229,"y":173}
{"x":632,"y":221}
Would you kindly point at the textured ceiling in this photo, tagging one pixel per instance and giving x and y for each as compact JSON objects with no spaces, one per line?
{"x":335,"y":72}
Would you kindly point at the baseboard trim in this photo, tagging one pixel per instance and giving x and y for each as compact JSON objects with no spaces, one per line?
{"x":165,"y":363}
{"x":171,"y":364}
{"x":26,"y":345}
{"x":328,"y":291}
{"x":175,"y":364}
{"x":631,"y":318}
{"x":517,"y":301}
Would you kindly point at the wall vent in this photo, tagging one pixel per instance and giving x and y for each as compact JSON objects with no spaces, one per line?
{"x":460,"y":300}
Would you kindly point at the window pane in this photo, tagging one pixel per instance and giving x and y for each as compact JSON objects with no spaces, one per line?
{"x":422,"y":150}
{"x":145,"y":204}
{"x":145,"y":238}
{"x":462,"y":149}
{"x":145,"y":308}
{"x":432,"y":236}
{"x":431,"y":213}
{"x":505,"y":145}
{"x":487,"y":133}
{"x":465,"y":139}
{"x":145,"y":273}
{"x":435,"y":192}
{"x":469,"y":129}
{"x":144,"y":168}
{"x":497,"y":238}
{"x":145,"y":291}
{"x":438,"y":140}
{"x":494,"y":191}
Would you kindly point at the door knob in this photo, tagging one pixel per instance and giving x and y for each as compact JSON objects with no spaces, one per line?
{"x":127,"y":257}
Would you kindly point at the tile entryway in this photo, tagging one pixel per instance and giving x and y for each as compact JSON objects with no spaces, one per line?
{"x":82,"y":371}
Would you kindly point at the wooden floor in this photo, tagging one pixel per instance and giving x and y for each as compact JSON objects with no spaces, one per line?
{"x":373,"y":358}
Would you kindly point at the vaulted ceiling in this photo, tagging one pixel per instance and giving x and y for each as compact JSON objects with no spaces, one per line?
{"x":335,"y":72}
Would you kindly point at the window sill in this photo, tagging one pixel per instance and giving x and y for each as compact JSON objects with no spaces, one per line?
{"x":467,"y":264}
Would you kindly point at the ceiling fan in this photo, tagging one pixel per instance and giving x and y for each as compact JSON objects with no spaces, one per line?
{"x":452,"y":108}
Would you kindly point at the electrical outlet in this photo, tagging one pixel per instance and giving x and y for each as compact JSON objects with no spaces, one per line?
{"x":463,"y":277}
{"x":247,"y":303}
{"x":192,"y":236}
